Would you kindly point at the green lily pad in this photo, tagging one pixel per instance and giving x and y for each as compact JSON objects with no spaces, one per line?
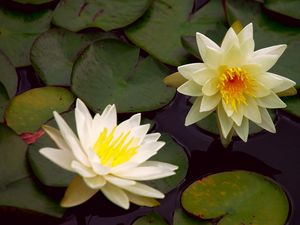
{"x":17,"y":189}
{"x":54,"y":53}
{"x":8,"y":76}
{"x":76,"y":15}
{"x":18,"y":30}
{"x":45,"y":170}
{"x":171,"y":153}
{"x":110,"y":71}
{"x":4,"y":99}
{"x":288,"y":7}
{"x":150,"y":219}
{"x":268,"y":32}
{"x":237,"y":197}
{"x":182,"y":218}
{"x":293,"y":105}
{"x":29,"y":110}
{"x":160,"y":30}
{"x":33,"y":2}
{"x":13,"y":161}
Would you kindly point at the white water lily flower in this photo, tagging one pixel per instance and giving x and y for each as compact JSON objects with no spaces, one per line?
{"x":107,"y":157}
{"x":233,"y":81}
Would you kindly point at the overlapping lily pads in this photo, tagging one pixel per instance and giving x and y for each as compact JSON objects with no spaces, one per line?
{"x":160,"y":30}
{"x":110,"y":71}
{"x":54,"y":53}
{"x":18,"y":31}
{"x":29,"y":110}
{"x":288,"y":7}
{"x":76,"y":15}
{"x":237,"y":197}
{"x":8,"y":76}
{"x":17,"y":189}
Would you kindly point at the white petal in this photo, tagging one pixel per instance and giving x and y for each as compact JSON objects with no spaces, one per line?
{"x":261,"y":90}
{"x":60,"y":157}
{"x":77,"y":193}
{"x":194,"y":114}
{"x":127,"y":125}
{"x":116,"y":195}
{"x":190,"y":88}
{"x":109,"y":118}
{"x":146,"y":151}
{"x":201,"y":76}
{"x":246,"y":33}
{"x":151,"y":137}
{"x":237,"y":116}
{"x":96,"y":182}
{"x":227,"y":108}
{"x":209,"y":102}
{"x":138,"y":133}
{"x":145,"y":173}
{"x":251,"y":110}
{"x":71,"y":139}
{"x":163,"y":165}
{"x":82,"y":170}
{"x":187,"y":70}
{"x":83,"y":123}
{"x":229,"y":40}
{"x":267,"y":57}
{"x":144,"y":190}
{"x":213,"y":58}
{"x":225,"y":122}
{"x":119,"y":181}
{"x":203,"y":42}
{"x":243,"y":130}
{"x":211,"y":87}
{"x":142,"y":201}
{"x":56,"y":136}
{"x":233,"y":57}
{"x":271,"y":101}
{"x":267,"y":122}
{"x":95,"y":162}
{"x":279,"y":83}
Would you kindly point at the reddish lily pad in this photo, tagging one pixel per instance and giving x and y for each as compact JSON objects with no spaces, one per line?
{"x":29,"y":110}
{"x":237,"y":197}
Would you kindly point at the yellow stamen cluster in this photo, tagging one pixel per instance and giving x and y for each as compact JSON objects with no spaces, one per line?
{"x":234,"y":84}
{"x":114,"y":151}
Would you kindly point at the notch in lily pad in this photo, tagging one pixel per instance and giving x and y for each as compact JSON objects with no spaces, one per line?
{"x":237,"y":197}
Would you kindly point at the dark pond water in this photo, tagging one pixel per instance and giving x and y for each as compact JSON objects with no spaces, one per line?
{"x":274,"y":155}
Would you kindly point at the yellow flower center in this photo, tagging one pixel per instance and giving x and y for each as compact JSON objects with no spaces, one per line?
{"x":234,"y":84}
{"x":114,"y":151}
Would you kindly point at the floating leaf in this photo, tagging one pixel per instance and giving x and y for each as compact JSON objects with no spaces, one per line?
{"x":13,"y":161}
{"x":174,"y":154}
{"x":237,"y":197}
{"x":54,"y":53}
{"x":8,"y":76}
{"x":18,"y":31}
{"x":109,"y":72}
{"x":76,"y":15}
{"x":33,"y":2}
{"x":288,"y":7}
{"x":46,"y":171}
{"x":150,"y":219}
{"x":17,"y":189}
{"x":293,"y":105}
{"x":4,"y":99}
{"x":182,"y":218}
{"x":267,"y":33}
{"x":29,"y":110}
{"x":174,"y":80}
{"x":160,"y":30}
